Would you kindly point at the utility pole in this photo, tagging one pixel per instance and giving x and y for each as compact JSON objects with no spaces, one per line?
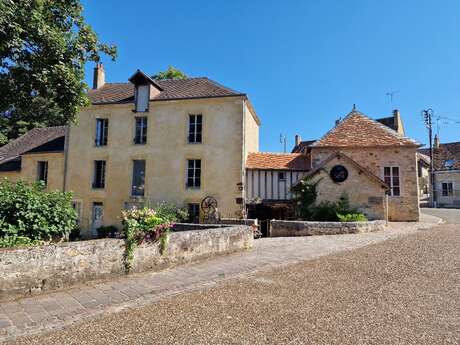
{"x":428,"y":119}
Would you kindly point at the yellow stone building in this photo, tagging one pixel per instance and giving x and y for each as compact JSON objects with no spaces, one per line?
{"x":146,"y":141}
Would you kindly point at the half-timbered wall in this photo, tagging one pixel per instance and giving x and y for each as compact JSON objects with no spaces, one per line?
{"x":270,"y":185}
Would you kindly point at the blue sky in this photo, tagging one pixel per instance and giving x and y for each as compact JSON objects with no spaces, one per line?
{"x":302,"y":63}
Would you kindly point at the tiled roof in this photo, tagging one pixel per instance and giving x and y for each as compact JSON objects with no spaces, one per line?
{"x":277,"y":161}
{"x":446,"y":153}
{"x":172,"y":89}
{"x":29,"y":141}
{"x":358,"y":130}
{"x":302,"y":147}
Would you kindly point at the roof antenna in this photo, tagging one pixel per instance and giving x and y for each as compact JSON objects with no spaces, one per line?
{"x":354,"y":107}
{"x":392,"y":94}
{"x":283,"y":141}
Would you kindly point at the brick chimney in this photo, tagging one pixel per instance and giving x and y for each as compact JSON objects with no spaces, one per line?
{"x":99,"y":76}
{"x":297,"y":140}
{"x":436,"y":142}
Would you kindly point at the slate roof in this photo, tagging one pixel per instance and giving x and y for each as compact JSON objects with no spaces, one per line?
{"x":29,"y":141}
{"x":201,"y":87}
{"x":358,"y":130}
{"x":388,"y":121}
{"x":445,"y":152}
{"x":303,"y":146}
{"x":277,"y":161}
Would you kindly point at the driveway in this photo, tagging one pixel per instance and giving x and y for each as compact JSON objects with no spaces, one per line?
{"x":451,"y":216}
{"x":401,"y":291}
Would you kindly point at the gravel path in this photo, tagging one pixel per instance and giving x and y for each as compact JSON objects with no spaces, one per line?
{"x":402,"y":291}
{"x":450,"y":215}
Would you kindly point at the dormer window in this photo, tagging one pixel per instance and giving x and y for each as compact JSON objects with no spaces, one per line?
{"x":145,"y":88}
{"x":142,"y":98}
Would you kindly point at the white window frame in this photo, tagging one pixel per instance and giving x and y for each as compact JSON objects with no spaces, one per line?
{"x":142,"y":98}
{"x":193,"y":119}
{"x":143,"y":120}
{"x":391,"y":176}
{"x":450,"y":192}
{"x":194,"y":177}
{"x":102,"y":132}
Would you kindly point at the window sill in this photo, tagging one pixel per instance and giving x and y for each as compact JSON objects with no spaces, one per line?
{"x":192,"y":188}
{"x":194,"y":143}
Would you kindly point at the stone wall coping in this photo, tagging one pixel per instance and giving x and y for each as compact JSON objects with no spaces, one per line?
{"x":35,"y":269}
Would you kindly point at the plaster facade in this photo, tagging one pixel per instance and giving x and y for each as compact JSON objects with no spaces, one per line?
{"x":29,"y":169}
{"x":230,"y":129}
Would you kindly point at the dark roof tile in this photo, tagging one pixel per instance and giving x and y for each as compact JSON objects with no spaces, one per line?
{"x":27,"y":142}
{"x":172,"y":89}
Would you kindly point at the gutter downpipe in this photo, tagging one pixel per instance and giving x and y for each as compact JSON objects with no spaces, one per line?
{"x":66,"y":154}
{"x":243,"y":162}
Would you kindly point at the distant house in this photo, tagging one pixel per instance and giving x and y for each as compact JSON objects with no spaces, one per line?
{"x":446,"y":164}
{"x":365,"y":158}
{"x":37,"y":155}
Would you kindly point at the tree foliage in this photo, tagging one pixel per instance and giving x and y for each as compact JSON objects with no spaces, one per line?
{"x":27,"y":210}
{"x":170,"y":73}
{"x":44,"y":45}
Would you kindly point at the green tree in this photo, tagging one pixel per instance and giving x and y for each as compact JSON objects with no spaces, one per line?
{"x":170,"y":73}
{"x":44,"y":45}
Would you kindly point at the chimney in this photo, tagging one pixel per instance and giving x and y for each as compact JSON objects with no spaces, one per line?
{"x":397,"y":121}
{"x":337,"y":122}
{"x":99,"y":76}
{"x":297,"y":140}
{"x":436,"y":142}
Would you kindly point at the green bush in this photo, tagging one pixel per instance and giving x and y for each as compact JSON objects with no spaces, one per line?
{"x":27,"y":210}
{"x":18,"y":241}
{"x":325,"y":211}
{"x":352,"y":217}
{"x":305,"y":195}
{"x":171,"y":212}
{"x":106,"y":231}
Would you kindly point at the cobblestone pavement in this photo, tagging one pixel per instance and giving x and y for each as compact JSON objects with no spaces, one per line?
{"x":450,"y":215}
{"x":38,"y":314}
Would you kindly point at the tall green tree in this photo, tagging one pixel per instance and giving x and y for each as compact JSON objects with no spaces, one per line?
{"x":44,"y":45}
{"x":170,"y":73}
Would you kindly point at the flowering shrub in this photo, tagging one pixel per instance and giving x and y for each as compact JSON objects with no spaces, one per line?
{"x":143,"y":225}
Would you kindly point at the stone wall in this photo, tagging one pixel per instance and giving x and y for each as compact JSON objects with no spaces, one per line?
{"x":400,"y":208}
{"x":31,"y":270}
{"x":365,"y":194}
{"x":284,"y":228}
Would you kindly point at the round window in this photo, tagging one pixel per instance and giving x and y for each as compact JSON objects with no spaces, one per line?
{"x":339,"y":173}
